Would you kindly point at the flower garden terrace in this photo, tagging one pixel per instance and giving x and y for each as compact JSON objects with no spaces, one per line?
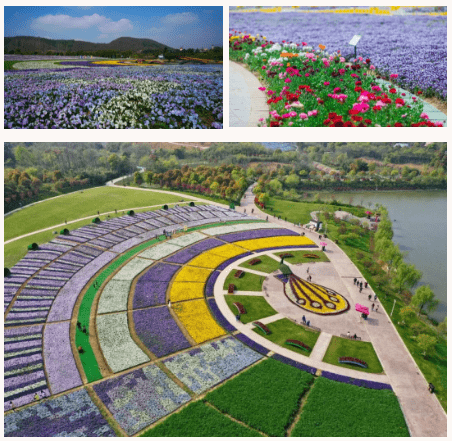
{"x":77,"y":95}
{"x":88,"y":327}
{"x":390,"y":42}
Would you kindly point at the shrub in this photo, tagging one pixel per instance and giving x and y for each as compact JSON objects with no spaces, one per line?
{"x":131,"y":213}
{"x":64,"y":232}
{"x":165,"y":207}
{"x":33,"y":246}
{"x":96,"y":220}
{"x":7,"y":272}
{"x":367,"y":263}
{"x":192,"y":204}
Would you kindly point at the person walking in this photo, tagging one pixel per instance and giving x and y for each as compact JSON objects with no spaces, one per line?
{"x":375,"y":297}
{"x":303,"y":319}
{"x":376,"y":309}
{"x":373,"y":306}
{"x":308,"y":323}
{"x":361,"y":285}
{"x":237,"y":317}
{"x":348,"y":334}
{"x":360,"y":289}
{"x":266,"y":219}
{"x":370,"y":296}
{"x":307,"y":270}
{"x":354,"y":281}
{"x":365,"y":284}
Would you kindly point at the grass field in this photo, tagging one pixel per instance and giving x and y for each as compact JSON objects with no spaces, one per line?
{"x":342,"y":347}
{"x":9,"y":65}
{"x":266,"y":397}
{"x":198,"y":419}
{"x":284,"y":329}
{"x":256,"y":307}
{"x":267,"y":265}
{"x":78,"y":205}
{"x":298,"y":257}
{"x":339,"y":409}
{"x":248,"y":281}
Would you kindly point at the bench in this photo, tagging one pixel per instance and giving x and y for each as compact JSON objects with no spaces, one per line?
{"x":350,"y":337}
{"x":255,"y":261}
{"x":352,"y":360}
{"x":238,"y":274}
{"x":311,"y":256}
{"x":262,"y":327}
{"x":231,"y":288}
{"x":240,"y":308}
{"x":298,"y":344}
{"x":286,"y":255}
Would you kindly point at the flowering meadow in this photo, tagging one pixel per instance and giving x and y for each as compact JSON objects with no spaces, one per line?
{"x":309,"y":82}
{"x":81,"y":95}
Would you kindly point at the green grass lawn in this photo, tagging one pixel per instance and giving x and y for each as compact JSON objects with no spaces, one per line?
{"x":78,"y":205}
{"x":9,"y":65}
{"x":268,"y":265}
{"x":339,"y":409}
{"x":298,"y":257}
{"x":256,"y":307}
{"x":248,"y":281}
{"x":284,"y":329}
{"x":265,"y":397}
{"x":342,"y":347}
{"x":198,"y":419}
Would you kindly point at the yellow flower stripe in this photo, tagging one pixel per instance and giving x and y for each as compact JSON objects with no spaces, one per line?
{"x":186,"y":291}
{"x":228,"y":250}
{"x":209,"y":260}
{"x":190,"y":274}
{"x":279,"y":241}
{"x":195,"y":317}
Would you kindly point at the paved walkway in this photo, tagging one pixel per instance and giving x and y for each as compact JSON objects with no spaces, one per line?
{"x":423,"y":412}
{"x":247,"y":104}
{"x":319,"y":350}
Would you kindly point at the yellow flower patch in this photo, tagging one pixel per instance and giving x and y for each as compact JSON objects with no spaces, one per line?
{"x":279,"y":241}
{"x":190,"y":274}
{"x":197,"y":320}
{"x":208,"y":260}
{"x":228,"y":251}
{"x":186,"y":291}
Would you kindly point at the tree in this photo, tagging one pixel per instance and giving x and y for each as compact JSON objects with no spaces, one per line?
{"x":406,"y":276}
{"x":114,"y":162}
{"x":389,"y":253}
{"x":407,"y":314}
{"x":424,"y":296}
{"x":275,"y":185}
{"x":426,"y":343}
{"x":442,"y":327}
{"x":292,"y":181}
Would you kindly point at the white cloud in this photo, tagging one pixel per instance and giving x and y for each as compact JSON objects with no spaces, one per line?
{"x":180,"y":19}
{"x":60,"y":22}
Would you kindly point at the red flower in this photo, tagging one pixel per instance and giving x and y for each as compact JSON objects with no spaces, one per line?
{"x":358,"y":89}
{"x":376,"y":108}
{"x":397,"y":124}
{"x":392,"y":90}
{"x":400,"y":101}
{"x":274,"y":124}
{"x":348,"y":124}
{"x":419,"y":92}
{"x":353,"y":112}
{"x":326,"y":122}
{"x":357,"y":118}
{"x":368,"y":121}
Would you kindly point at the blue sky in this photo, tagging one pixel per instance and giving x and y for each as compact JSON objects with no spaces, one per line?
{"x":176,"y":26}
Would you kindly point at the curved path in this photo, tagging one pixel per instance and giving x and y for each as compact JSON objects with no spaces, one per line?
{"x":247,"y":104}
{"x":423,"y":412}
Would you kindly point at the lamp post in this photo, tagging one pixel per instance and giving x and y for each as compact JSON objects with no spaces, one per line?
{"x":393,"y":306}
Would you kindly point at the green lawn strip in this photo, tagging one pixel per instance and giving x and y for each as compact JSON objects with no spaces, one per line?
{"x":265,"y":397}
{"x":77,"y":205}
{"x":198,"y":419}
{"x":9,"y":65}
{"x":247,"y":282}
{"x":339,"y":409}
{"x":267,"y":264}
{"x":284,"y":329}
{"x":298,"y":257}
{"x":342,"y":347}
{"x":256,"y":307}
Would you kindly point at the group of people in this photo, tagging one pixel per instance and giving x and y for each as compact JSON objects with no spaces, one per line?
{"x":359,"y":284}
{"x":306,"y":322}
{"x":354,"y":336}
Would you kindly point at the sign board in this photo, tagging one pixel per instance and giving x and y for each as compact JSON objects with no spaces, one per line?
{"x":354,"y":40}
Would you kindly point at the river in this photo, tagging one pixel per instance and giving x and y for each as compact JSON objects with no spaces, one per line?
{"x":420,"y":228}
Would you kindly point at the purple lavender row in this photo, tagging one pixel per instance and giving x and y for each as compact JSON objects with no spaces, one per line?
{"x":90,"y":251}
{"x":252,"y":344}
{"x":135,"y":229}
{"x":73,"y":238}
{"x":256,"y":234}
{"x":232,"y":260}
{"x":355,"y":381}
{"x":130,"y":243}
{"x":102,"y":243}
{"x":219,"y":317}
{"x":294,"y":363}
{"x":60,"y":365}
{"x":192,"y":251}
{"x":210,"y":283}
{"x":158,"y":331}
{"x":55,"y":247}
{"x":64,"y":303}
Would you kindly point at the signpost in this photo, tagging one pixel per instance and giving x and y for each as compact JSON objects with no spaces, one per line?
{"x":354,"y":41}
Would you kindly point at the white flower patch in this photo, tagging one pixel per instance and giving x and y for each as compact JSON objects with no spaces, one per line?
{"x":160,"y":251}
{"x":23,"y":65}
{"x":187,"y":239}
{"x":132,"y":269}
{"x":239,"y":227}
{"x":114,"y":296}
{"x":120,"y":351}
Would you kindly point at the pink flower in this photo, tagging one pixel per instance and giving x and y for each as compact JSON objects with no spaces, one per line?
{"x":342,"y":60}
{"x":424,"y":115}
{"x":287,"y":80}
{"x":380,"y":103}
{"x":372,"y":67}
{"x":361,"y":107}
{"x":376,"y":88}
{"x":264,"y":67}
{"x":438,"y":124}
{"x":262,"y":88}
{"x":342,"y":71}
{"x":303,"y":116}
{"x":393,"y":76}
{"x":291,"y":123}
{"x":270,"y":92}
{"x":354,"y":75}
{"x":304,"y":44}
{"x":326,"y":83}
{"x":336,"y":89}
{"x":360,"y":58}
{"x":306,"y":75}
{"x":313,"y":112}
{"x":404,"y":116}
{"x":261,"y":119}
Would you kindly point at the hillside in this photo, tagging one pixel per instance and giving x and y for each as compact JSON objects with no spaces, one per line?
{"x":44,"y":45}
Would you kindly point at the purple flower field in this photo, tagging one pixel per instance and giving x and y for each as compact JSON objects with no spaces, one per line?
{"x":183,"y":97}
{"x":256,"y":234}
{"x":414,"y":47}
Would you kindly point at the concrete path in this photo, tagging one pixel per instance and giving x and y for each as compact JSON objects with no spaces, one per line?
{"x":423,"y":412}
{"x":321,"y":346}
{"x":247,"y":104}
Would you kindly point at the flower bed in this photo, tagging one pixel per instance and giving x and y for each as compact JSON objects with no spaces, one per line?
{"x":197,"y":320}
{"x":219,"y":317}
{"x":226,"y":229}
{"x":108,"y":97}
{"x":355,"y":381}
{"x":114,"y":296}
{"x":139,"y":398}
{"x":204,"y":367}
{"x":298,"y":344}
{"x":309,"y":88}
{"x":73,"y":414}
{"x":273,"y":242}
{"x":352,"y":360}
{"x":390,"y":41}
{"x":256,"y":234}
{"x":186,"y":291}
{"x":211,"y":283}
{"x":158,"y":331}
{"x":311,"y":256}
{"x":160,"y":251}
{"x":132,"y":269}
{"x":192,"y":274}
